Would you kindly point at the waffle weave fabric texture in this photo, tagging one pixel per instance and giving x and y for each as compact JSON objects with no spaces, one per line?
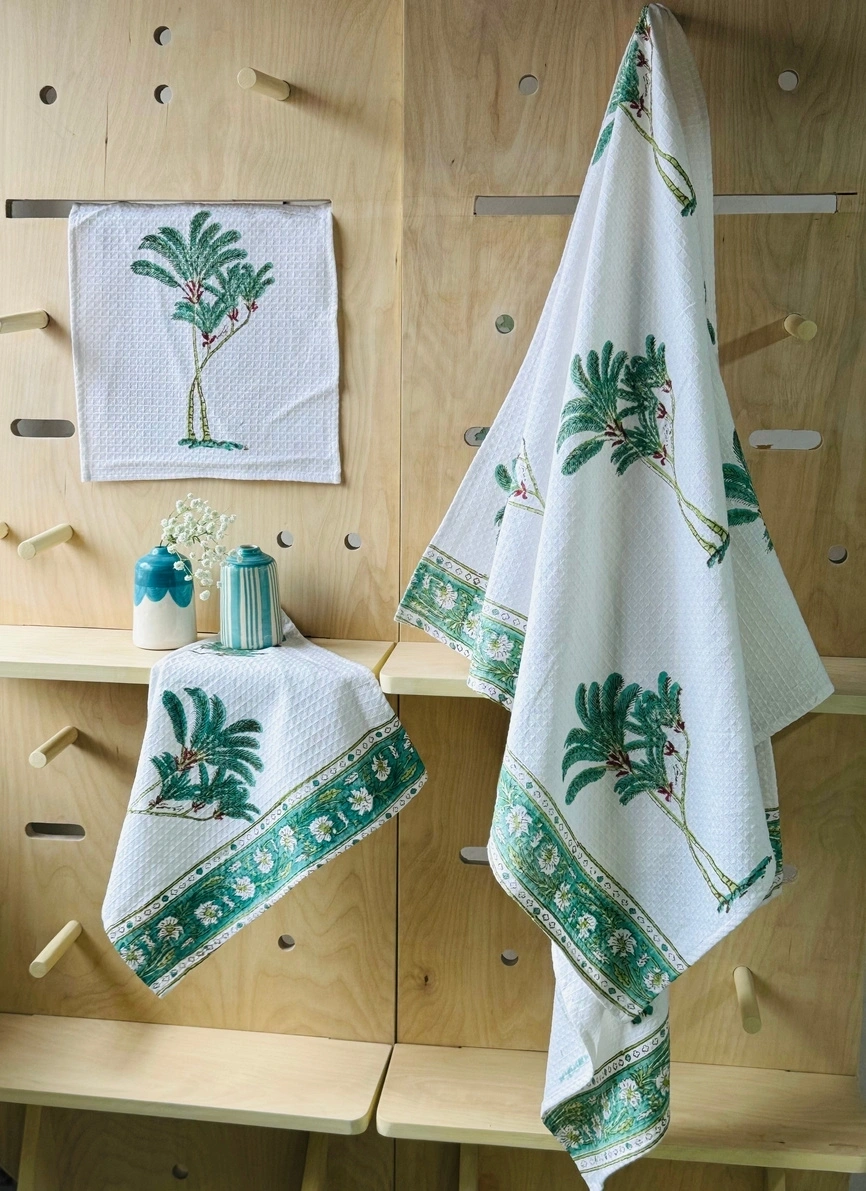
{"x":205,"y":341}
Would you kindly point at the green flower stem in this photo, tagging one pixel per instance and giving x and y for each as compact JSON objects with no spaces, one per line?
{"x":678,"y":194}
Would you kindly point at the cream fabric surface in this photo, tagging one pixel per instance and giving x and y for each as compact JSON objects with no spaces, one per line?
{"x":205,"y":341}
{"x":606,"y":568}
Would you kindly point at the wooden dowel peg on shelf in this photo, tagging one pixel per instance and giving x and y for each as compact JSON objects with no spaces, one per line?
{"x":31,"y":320}
{"x":750,"y":1012}
{"x":55,"y":950}
{"x":263,"y":84}
{"x":800,"y":327}
{"x":4,"y":529}
{"x":468,"y":1176}
{"x":46,"y":752}
{"x":316,"y":1163}
{"x":30,"y":547}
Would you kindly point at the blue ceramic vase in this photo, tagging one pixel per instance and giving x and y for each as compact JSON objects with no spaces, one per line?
{"x":250,"y":615}
{"x":163,"y":613}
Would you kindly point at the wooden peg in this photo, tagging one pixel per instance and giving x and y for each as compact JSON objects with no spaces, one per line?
{"x":801,"y":328}
{"x":33,"y":320}
{"x":59,"y":945}
{"x":750,"y":1013}
{"x":44,"y":541}
{"x":4,"y":529}
{"x":264,"y":84}
{"x":46,"y":752}
{"x":468,"y":1176}
{"x":316,"y":1163}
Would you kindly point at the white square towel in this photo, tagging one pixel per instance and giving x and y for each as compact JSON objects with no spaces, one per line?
{"x":205,"y":341}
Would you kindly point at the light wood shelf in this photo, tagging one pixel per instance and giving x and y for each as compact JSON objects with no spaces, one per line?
{"x":108,"y":655}
{"x":743,"y":1116}
{"x":233,"y":1076}
{"x":429,"y":668}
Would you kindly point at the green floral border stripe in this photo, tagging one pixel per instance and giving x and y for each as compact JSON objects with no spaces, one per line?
{"x":447,"y":600}
{"x":775,"y":829}
{"x":608,"y":936}
{"x":184,"y":925}
{"x":623,"y":1112}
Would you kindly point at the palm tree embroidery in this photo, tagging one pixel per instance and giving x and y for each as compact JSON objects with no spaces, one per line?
{"x":739,"y":488}
{"x":215,"y":279}
{"x":640,"y":737}
{"x":518,"y":480}
{"x":632,"y":95}
{"x":223,"y":757}
{"x":629,"y":404}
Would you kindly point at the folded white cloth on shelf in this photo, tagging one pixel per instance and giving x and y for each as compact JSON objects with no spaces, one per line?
{"x":257,"y":767}
{"x":606,"y":568}
{"x":205,"y":341}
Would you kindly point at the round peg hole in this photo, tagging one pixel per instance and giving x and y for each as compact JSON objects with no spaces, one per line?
{"x":504,"y":324}
{"x":162,"y":94}
{"x":475,"y":435}
{"x":285,"y":538}
{"x":789,"y":80}
{"x":528,"y":85}
{"x":179,"y":1172}
{"x":509,"y":958}
{"x":48,"y":94}
{"x":162,"y":35}
{"x":352,"y":541}
{"x":837,"y":554}
{"x":285,"y":942}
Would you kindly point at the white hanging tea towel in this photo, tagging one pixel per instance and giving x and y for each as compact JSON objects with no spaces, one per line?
{"x":205,"y":341}
{"x":606,"y":568}
{"x":257,"y":767}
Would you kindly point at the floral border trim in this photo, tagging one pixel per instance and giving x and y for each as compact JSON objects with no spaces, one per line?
{"x":775,"y":829}
{"x":447,"y":600}
{"x":340,"y":805}
{"x":610,"y":939}
{"x":623,"y":1112}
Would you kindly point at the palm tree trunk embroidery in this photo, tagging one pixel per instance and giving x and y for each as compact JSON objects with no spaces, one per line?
{"x":629,"y":405}
{"x":632,"y":95}
{"x":215,"y":278}
{"x":223,"y":757}
{"x":640,"y":737}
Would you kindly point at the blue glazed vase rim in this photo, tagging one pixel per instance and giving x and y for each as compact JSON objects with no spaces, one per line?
{"x":248,"y":556}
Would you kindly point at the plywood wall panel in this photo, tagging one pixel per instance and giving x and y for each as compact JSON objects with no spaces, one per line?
{"x":807,"y":948}
{"x":106,"y":137}
{"x":471,"y":131}
{"x":338,"y":981}
{"x":454,"y":920}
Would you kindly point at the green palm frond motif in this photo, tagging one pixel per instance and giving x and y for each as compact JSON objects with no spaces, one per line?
{"x":518,"y":482}
{"x":740,"y":490}
{"x":215,"y":769}
{"x":639,"y":737}
{"x":632,"y":95}
{"x":215,"y":280}
{"x":628,"y":404}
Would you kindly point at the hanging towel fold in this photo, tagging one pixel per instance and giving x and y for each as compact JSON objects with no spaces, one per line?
{"x":257,"y":767}
{"x":205,"y":341}
{"x":606,"y":568}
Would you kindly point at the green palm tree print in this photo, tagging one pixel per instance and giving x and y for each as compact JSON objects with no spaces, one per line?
{"x":740,"y":489}
{"x":518,"y":481}
{"x":213,"y":773}
{"x":632,"y":95}
{"x":215,"y":279}
{"x":640,"y":737}
{"x":629,"y":405}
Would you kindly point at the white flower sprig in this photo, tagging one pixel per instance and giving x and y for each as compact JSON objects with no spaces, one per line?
{"x":196,"y":531}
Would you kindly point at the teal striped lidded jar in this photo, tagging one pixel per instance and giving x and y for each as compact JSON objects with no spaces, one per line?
{"x":249,"y":600}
